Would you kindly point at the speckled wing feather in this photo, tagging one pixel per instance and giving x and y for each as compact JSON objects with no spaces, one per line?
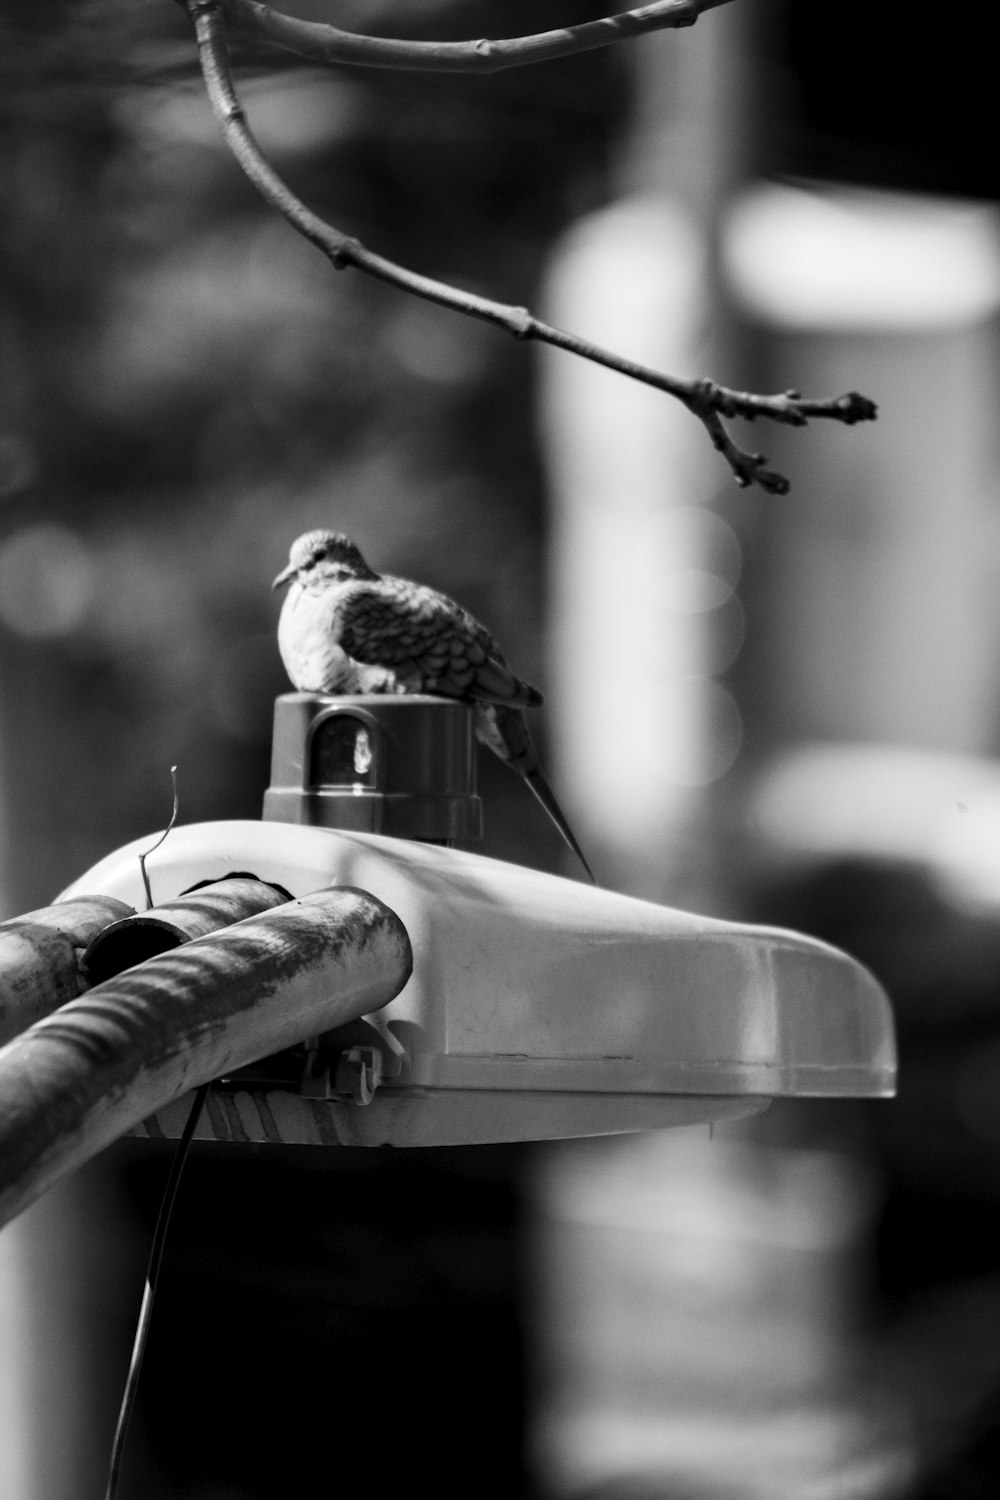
{"x":428,"y":640}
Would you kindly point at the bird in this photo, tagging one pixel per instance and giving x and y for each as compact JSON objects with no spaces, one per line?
{"x":344,"y":628}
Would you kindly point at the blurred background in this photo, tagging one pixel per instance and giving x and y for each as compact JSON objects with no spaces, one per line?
{"x":776,"y":709}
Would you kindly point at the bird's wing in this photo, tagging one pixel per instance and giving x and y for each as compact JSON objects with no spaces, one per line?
{"x":428,"y":638}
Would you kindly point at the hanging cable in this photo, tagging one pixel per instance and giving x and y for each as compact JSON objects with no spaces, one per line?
{"x":149,"y":1291}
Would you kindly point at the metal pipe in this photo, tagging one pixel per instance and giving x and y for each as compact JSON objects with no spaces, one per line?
{"x":142,"y":935}
{"x":40,"y":957}
{"x":77,"y":1080}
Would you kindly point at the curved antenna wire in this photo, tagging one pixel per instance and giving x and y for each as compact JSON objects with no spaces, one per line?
{"x":143,"y":857}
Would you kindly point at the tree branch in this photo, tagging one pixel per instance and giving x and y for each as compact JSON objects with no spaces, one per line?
{"x":328,"y":44}
{"x":708,"y":401}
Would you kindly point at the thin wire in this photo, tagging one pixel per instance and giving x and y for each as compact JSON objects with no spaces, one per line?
{"x":143,"y":857}
{"x":149,"y":1292}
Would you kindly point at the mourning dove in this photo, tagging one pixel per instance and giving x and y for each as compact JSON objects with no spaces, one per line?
{"x":346,"y":629}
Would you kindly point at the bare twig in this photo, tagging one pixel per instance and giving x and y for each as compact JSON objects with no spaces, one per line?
{"x":328,"y":44}
{"x":708,"y":401}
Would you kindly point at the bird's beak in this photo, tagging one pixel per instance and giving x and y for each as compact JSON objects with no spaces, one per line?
{"x":285,"y":576}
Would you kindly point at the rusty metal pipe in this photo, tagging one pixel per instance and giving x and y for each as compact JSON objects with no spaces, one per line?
{"x":77,"y":1080}
{"x":40,"y":957}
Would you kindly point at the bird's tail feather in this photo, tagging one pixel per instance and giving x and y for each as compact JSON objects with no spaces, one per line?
{"x":538,"y":782}
{"x":505,"y":730}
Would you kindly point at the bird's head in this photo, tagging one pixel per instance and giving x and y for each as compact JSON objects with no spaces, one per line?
{"x":323,"y":554}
